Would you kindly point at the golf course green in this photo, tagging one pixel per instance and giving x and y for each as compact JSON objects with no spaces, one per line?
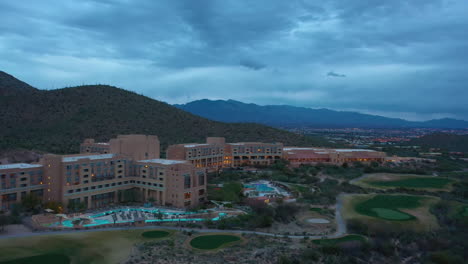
{"x":207,"y":242}
{"x":41,"y":259}
{"x":387,"y":207}
{"x":416,"y":182}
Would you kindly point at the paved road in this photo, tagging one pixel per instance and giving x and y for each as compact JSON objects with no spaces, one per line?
{"x":340,"y":228}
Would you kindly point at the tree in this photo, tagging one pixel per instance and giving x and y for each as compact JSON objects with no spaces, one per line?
{"x":30,"y":202}
{"x":4,"y":220}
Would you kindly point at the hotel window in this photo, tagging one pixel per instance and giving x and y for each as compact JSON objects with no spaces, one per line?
{"x":201,"y":179}
{"x":187,"y":195}
{"x":187,"y":181}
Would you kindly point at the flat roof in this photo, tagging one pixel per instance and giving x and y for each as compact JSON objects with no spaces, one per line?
{"x":253,"y":143}
{"x":195,"y":145}
{"x":164,"y":161}
{"x":354,"y":150}
{"x":299,"y":148}
{"x":91,"y":157}
{"x":19,"y":166}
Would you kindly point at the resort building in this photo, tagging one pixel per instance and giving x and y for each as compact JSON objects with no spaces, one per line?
{"x":100,"y":179}
{"x":216,"y":153}
{"x":297,"y":156}
{"x":135,"y":146}
{"x":209,"y":155}
{"x":18,"y":180}
{"x":128,"y":168}
{"x":253,"y":153}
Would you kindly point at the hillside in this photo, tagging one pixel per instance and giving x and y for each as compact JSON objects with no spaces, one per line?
{"x":9,"y":85}
{"x":443,"y":141}
{"x":284,"y":116}
{"x":58,"y":120}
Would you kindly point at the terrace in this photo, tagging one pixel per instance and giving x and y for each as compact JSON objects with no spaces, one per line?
{"x":128,"y":216}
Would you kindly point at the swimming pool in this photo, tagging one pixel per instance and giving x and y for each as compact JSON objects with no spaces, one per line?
{"x":261,"y":187}
{"x":97,"y":222}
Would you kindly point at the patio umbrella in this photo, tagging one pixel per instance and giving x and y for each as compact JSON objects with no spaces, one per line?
{"x":61,"y":215}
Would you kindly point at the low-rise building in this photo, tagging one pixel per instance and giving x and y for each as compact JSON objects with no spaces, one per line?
{"x":297,"y":155}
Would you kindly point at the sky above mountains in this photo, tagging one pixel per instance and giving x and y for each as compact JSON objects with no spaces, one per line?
{"x":394,"y":58}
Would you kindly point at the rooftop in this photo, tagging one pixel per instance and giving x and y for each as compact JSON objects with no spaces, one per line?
{"x":252,"y":143}
{"x":19,"y":166}
{"x":298,"y":148}
{"x":195,"y":145}
{"x":91,"y":157}
{"x":164,"y":161}
{"x":353,"y":150}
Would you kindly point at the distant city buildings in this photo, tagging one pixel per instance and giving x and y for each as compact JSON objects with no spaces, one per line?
{"x":129,"y":165}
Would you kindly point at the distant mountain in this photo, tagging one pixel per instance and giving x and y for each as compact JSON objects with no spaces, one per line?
{"x":9,"y":85}
{"x":284,"y":116}
{"x":58,"y":120}
{"x":443,"y":141}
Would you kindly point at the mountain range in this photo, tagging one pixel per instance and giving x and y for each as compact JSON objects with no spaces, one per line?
{"x":292,"y":116}
{"x":58,"y":120}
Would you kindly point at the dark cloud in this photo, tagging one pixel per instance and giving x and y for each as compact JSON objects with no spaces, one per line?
{"x":251,"y":64}
{"x":334,"y":74}
{"x":398,"y":56}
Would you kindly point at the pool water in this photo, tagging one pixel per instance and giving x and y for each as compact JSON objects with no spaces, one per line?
{"x":98,"y":222}
{"x":261,"y":187}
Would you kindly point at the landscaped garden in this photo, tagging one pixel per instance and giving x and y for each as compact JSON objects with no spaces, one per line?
{"x":207,"y":242}
{"x":388,"y":207}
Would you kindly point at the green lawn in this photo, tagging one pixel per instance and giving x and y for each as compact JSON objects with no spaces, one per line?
{"x":416,"y":182}
{"x":336,"y":241}
{"x":155,"y":234}
{"x":86,"y":247}
{"x":316,"y":209}
{"x":213,"y":241}
{"x":386,"y":206}
{"x":41,"y":259}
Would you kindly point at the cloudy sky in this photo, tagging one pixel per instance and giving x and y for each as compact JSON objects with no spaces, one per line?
{"x":395,"y":58}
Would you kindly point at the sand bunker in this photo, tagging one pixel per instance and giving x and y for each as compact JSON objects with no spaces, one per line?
{"x":317,"y":221}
